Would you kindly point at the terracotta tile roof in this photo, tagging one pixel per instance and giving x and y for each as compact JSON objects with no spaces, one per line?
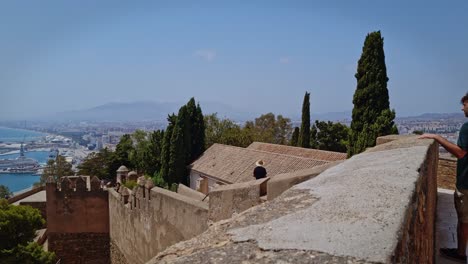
{"x":234,"y":164}
{"x":299,"y":152}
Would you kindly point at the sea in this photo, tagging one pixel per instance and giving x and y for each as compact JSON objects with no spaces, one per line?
{"x":21,"y":182}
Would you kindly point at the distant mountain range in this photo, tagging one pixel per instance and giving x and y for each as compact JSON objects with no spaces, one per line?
{"x":156,"y":111}
{"x":144,"y":111}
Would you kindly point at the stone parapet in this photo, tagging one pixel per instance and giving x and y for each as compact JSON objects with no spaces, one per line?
{"x":376,"y":207}
{"x":282,"y":182}
{"x":191,"y":193}
{"x":230,"y":199}
{"x":145,"y":221}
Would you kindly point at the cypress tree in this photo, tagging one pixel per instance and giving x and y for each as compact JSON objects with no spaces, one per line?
{"x":198,"y":146}
{"x":371,"y":116}
{"x":190,"y":129}
{"x":177,"y":152}
{"x":295,"y":137}
{"x":304,"y":133}
{"x":166,"y":144}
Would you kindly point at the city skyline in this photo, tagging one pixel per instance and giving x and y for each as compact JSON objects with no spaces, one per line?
{"x":258,"y":58}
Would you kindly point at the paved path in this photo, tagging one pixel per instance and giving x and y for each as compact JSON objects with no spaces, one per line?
{"x":446,"y":224}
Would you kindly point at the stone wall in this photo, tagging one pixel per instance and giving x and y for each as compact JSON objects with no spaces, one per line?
{"x":78,"y":248}
{"x":446,"y":173}
{"x":417,"y":234}
{"x":376,"y":207}
{"x":147,"y":220}
{"x":230,"y":199}
{"x":78,"y":220}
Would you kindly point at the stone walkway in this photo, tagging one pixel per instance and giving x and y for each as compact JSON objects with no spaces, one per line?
{"x":446,"y":224}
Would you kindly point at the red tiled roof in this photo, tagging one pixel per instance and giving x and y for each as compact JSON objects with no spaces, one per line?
{"x":298,"y":152}
{"x":234,"y":164}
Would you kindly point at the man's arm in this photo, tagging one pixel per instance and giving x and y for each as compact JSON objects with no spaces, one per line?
{"x":449,"y":146}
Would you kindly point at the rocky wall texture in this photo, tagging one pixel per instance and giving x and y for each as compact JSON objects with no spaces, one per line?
{"x":376,"y":207}
{"x":116,"y":256}
{"x":79,"y":248}
{"x":446,"y":173}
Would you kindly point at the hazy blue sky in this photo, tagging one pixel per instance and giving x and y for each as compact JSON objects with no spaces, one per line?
{"x":259,"y":55}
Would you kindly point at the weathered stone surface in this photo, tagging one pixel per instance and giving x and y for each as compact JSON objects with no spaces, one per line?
{"x":375,"y":207}
{"x":230,"y":199}
{"x":116,"y":256}
{"x":389,"y":138}
{"x":447,"y":173}
{"x":282,"y":182}
{"x":77,"y":248}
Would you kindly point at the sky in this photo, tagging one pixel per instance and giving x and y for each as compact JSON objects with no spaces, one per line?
{"x":259,"y":56}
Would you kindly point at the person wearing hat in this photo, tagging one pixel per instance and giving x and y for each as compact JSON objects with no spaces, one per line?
{"x":259,"y":171}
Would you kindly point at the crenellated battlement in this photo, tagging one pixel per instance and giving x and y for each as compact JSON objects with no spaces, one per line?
{"x":139,"y":196}
{"x":78,"y":219}
{"x":147,"y":219}
{"x":79,"y":183}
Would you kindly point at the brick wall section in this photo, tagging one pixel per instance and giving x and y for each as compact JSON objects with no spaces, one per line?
{"x":145,"y":221}
{"x":78,"y":221}
{"x":417,"y":241}
{"x":446,"y":173}
{"x":79,"y":248}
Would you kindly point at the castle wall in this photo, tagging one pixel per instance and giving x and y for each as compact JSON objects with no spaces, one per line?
{"x":146,"y":221}
{"x":78,"y":221}
{"x":376,"y":207}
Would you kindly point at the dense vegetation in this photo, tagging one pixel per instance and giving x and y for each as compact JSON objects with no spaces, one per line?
{"x":18,"y":226}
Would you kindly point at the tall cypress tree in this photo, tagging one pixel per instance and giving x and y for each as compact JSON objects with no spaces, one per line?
{"x":166,"y":144}
{"x":177,"y":152}
{"x":304,"y":133}
{"x":372,"y":116}
{"x":198,"y":144}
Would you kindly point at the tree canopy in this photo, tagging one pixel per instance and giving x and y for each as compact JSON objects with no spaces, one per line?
{"x":371,"y":115}
{"x":18,"y":225}
{"x":304,"y":132}
{"x":56,"y":168}
{"x":5,"y":192}
{"x":329,"y":136}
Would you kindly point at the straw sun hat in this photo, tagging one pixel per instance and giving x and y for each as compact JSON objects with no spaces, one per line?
{"x":260,"y":163}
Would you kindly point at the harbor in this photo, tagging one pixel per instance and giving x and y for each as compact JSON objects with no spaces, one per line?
{"x":24,"y":154}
